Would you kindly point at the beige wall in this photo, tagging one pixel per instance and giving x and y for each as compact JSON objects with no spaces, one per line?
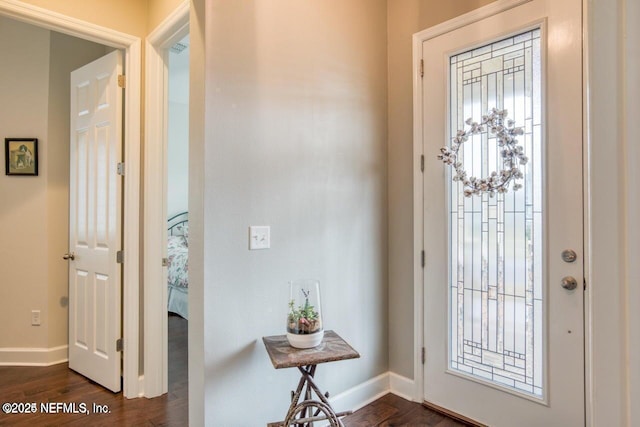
{"x":134,"y":17}
{"x":296,"y":130}
{"x":158,"y":10}
{"x":34,"y":102}
{"x":127,"y":16}
{"x":24,"y":86}
{"x":406,"y":17}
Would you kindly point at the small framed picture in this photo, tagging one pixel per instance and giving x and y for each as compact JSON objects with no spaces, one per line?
{"x":21,"y":156}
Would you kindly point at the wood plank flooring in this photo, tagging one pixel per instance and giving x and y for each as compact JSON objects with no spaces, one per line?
{"x":59,"y":384}
{"x":394,"y":411}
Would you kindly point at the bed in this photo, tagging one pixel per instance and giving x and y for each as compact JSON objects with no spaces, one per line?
{"x":178,"y":264}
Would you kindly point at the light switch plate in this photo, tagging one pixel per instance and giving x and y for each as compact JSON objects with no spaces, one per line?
{"x":35,"y":317}
{"x":259,"y":237}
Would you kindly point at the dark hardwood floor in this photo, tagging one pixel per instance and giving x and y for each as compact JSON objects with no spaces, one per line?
{"x":59,"y":384}
{"x":394,"y":411}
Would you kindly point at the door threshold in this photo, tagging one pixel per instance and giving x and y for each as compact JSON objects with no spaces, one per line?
{"x":449,"y":413}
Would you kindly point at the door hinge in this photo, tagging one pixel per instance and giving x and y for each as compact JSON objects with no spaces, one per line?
{"x":122,"y":81}
{"x":422,"y":68}
{"x":165,"y":262}
{"x":120,"y":168}
{"x":422,"y":259}
{"x":119,"y":345}
{"x":422,"y":163}
{"x":120,"y":257}
{"x":424,"y":355}
{"x":584,"y":284}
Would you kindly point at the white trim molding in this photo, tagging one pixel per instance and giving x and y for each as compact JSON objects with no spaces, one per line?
{"x":418,"y":220}
{"x":611,"y":91}
{"x":362,"y":394}
{"x":373,"y":389}
{"x":587,"y":222}
{"x":402,"y":386}
{"x":34,"y":356}
{"x":55,"y":21}
{"x":132,"y":47}
{"x":131,"y":239}
{"x":631,"y":130}
{"x":171,"y":30}
{"x":468,"y":18}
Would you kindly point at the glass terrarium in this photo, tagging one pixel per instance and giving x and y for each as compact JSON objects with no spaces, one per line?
{"x":304,"y":320}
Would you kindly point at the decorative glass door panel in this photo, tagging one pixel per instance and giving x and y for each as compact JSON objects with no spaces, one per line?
{"x":496,"y":294}
{"x":503,"y":337}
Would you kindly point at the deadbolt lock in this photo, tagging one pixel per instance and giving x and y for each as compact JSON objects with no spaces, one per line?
{"x":569,"y":255}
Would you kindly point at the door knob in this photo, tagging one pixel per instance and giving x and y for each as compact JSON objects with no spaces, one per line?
{"x":569,"y":283}
{"x":70,"y":256}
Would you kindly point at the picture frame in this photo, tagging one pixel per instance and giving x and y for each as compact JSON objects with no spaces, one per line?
{"x":21,"y":156}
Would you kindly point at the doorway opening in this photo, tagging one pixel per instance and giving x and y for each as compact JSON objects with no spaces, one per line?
{"x":177,"y":213}
{"x":166,"y":194}
{"x":130,"y":45}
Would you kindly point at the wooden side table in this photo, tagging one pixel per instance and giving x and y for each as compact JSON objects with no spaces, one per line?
{"x":305,"y":410}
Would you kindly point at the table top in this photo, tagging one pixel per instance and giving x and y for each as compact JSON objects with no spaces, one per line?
{"x":331,"y":349}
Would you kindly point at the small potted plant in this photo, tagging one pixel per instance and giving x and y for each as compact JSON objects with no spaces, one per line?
{"x":304,"y":320}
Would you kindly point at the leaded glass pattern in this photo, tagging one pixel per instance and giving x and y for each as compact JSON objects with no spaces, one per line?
{"x":496,"y":287}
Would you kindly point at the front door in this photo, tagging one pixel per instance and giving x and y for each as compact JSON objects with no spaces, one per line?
{"x":95,"y":221}
{"x":503,"y":331}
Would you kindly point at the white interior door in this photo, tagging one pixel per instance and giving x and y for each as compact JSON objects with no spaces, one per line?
{"x":504,"y":340}
{"x":95,"y":221}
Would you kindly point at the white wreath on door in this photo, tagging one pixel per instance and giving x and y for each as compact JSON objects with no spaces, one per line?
{"x":512,"y":155}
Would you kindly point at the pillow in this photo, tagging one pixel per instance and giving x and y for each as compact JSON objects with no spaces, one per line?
{"x":174,"y":242}
{"x":182,"y":230}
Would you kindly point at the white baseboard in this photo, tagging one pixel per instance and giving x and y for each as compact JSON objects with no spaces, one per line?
{"x":362,"y":394}
{"x":402,"y":386}
{"x":33,"y":356}
{"x":365,"y":393}
{"x":141,"y":386}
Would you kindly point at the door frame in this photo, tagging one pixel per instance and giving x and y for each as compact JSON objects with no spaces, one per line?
{"x":632,"y":129}
{"x":131,"y":46}
{"x":170,"y":31}
{"x":418,"y":188}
